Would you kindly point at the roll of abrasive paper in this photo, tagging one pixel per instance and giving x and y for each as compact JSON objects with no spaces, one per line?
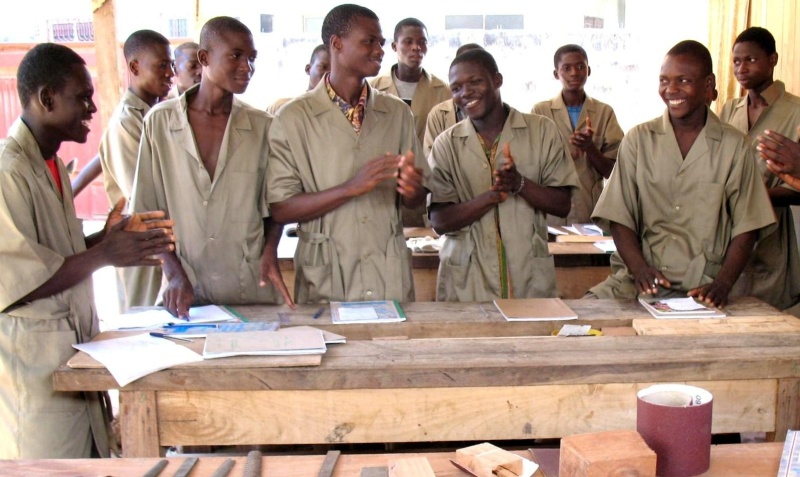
{"x":675,"y":421}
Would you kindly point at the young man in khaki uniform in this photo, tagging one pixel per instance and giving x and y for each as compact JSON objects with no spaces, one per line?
{"x":494,"y":177}
{"x":46,"y":300}
{"x":409,"y":81}
{"x":188,"y":70}
{"x":344,"y":158}
{"x":773,"y":272}
{"x":150,"y":73}
{"x":685,"y":202}
{"x":203,"y":160}
{"x":318,"y":65}
{"x":589,"y":128}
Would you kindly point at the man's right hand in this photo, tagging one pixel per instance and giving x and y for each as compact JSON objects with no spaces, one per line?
{"x":373,"y":173}
{"x":178,"y":296}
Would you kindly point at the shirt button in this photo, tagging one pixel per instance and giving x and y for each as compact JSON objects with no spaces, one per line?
{"x":674,"y":238}
{"x":485,"y":166}
{"x":210,"y":239}
{"x":677,"y":207}
{"x":663,"y":268}
{"x":205,"y":202}
{"x":369,"y":292}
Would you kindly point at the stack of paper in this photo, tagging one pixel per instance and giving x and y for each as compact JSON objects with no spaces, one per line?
{"x":131,"y":357}
{"x":201,"y":330}
{"x":680,"y":308}
{"x":288,"y":341}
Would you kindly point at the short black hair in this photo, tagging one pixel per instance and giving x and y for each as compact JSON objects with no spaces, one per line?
{"x":140,"y":41}
{"x":46,"y":64}
{"x":339,"y":21}
{"x":480,"y":57}
{"x":760,"y":36}
{"x":467,"y":47}
{"x":219,"y":26}
{"x":570,"y":48}
{"x":408,"y":22}
{"x":317,"y":50}
{"x":695,"y":50}
{"x":189,"y":45}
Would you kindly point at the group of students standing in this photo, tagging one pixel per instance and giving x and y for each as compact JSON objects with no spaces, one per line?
{"x":209,"y":180}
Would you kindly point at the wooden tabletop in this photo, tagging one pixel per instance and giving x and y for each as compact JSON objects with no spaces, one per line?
{"x":738,"y":460}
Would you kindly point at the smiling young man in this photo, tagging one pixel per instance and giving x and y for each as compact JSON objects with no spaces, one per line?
{"x":773,"y":272}
{"x":344,"y":159}
{"x":202,"y":160}
{"x":685,"y":202}
{"x":494,"y":177}
{"x":589,"y":128}
{"x":150,"y":73}
{"x":46,"y":300}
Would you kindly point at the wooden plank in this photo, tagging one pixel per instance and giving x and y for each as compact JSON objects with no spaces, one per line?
{"x":410,"y":467}
{"x":739,"y":460}
{"x":453,"y":414}
{"x":107,"y":51}
{"x":788,"y":415}
{"x":518,"y":361}
{"x":737,"y":324}
{"x":139,"y":416}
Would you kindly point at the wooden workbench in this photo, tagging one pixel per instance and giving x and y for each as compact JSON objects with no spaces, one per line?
{"x":739,"y":460}
{"x":464,"y":374}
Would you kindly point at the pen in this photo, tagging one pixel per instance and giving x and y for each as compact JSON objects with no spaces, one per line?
{"x":169,"y":337}
{"x":191,"y":325}
{"x":318,"y":313}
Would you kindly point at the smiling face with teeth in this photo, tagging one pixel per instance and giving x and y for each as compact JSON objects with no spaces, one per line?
{"x":683,"y":86}
{"x":71,"y":108}
{"x":476,"y":91}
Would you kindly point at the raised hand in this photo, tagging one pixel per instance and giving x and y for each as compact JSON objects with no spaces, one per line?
{"x":373,"y":173}
{"x":582,"y":138}
{"x":409,"y":180}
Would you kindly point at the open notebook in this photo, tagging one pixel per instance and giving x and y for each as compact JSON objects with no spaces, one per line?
{"x":679,"y":308}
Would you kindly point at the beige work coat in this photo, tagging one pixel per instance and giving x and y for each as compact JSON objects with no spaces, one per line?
{"x":218,"y":221}
{"x":356,"y":252}
{"x":119,"y":149}
{"x":773,"y":271}
{"x":685,"y":211}
{"x":40,"y":230}
{"x":441,"y":117}
{"x":607,"y":136}
{"x":468,"y":261}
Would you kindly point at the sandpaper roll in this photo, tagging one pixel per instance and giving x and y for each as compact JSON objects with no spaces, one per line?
{"x":675,"y":421}
{"x":252,"y":465}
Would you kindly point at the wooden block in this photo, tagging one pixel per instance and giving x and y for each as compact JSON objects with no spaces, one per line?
{"x":411,"y":467}
{"x":600,"y":454}
{"x":488,"y":460}
{"x":618,"y":331}
{"x":731,"y":324}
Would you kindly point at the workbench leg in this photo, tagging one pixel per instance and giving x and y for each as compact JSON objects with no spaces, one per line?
{"x":788,"y":408}
{"x":139,"y":424}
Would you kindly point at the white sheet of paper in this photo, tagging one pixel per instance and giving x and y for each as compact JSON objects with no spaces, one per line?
{"x":554,"y":231}
{"x":572,"y":229}
{"x":131,"y":357}
{"x":683,"y":304}
{"x":358,"y":313}
{"x":606,"y":245}
{"x":157,"y":317}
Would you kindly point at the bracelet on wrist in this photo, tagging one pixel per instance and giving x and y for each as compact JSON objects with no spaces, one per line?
{"x":521,"y":184}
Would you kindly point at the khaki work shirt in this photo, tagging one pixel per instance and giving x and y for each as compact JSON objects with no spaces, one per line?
{"x":441,"y":117}
{"x":607,"y":136}
{"x":685,"y":211}
{"x":773,"y":272}
{"x":218,"y":221}
{"x":356,"y":252}
{"x":40,"y":230}
{"x":468,"y":267}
